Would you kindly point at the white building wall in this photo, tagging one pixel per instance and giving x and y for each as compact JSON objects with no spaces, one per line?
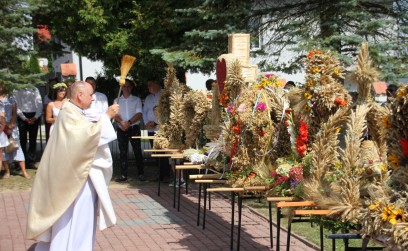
{"x":89,"y":68}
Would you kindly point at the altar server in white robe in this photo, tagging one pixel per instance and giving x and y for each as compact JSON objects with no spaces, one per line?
{"x":71,"y":185}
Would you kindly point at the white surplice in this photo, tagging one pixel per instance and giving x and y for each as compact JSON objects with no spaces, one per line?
{"x":76,"y":227}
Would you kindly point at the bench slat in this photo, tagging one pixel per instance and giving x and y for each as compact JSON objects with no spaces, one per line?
{"x":211,"y":181}
{"x":205,"y":176}
{"x":281,"y":199}
{"x":296,"y":204}
{"x":312,"y":212}
{"x":225,"y":189}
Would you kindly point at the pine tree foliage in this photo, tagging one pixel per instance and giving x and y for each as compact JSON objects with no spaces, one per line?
{"x":18,"y":64}
{"x":339,"y":25}
{"x":191,"y":34}
{"x":212,"y":21}
{"x":299,"y":26}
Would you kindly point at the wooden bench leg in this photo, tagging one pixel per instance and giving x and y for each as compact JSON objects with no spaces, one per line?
{"x":365,"y":244}
{"x":187,"y":173}
{"x":209,"y":198}
{"x":321,"y":238}
{"x":199,"y":204}
{"x":289,"y":233}
{"x":270,"y":224}
{"x":239,"y":220}
{"x":158,"y":190}
{"x":179,"y":190}
{"x":205,"y":205}
{"x":232,"y":220}
{"x":278,"y":219}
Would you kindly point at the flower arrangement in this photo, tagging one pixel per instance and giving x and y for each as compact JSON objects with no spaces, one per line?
{"x":323,"y":93}
{"x":363,"y":191}
{"x":397,"y":133}
{"x":252,"y":129}
{"x":286,"y":179}
{"x":269,"y":80}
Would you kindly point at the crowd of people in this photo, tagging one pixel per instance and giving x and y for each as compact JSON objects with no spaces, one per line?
{"x":22,"y":109}
{"x":69,"y":191}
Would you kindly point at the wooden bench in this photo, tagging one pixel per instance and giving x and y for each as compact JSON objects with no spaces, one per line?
{"x":178,"y":170}
{"x":271,"y":200}
{"x":240,"y":192}
{"x":210,"y":179}
{"x":162,"y":153}
{"x":287,"y":204}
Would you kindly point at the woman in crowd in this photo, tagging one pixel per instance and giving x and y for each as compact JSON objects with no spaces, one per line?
{"x":11,"y":129}
{"x":47,"y":99}
{"x":53,"y":108}
{"x":3,"y":137}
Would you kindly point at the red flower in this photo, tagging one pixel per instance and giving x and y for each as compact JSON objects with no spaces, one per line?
{"x":303,"y":131}
{"x":302,"y":139}
{"x":296,"y":173}
{"x":261,"y":132}
{"x":251,"y":175}
{"x":301,"y":149}
{"x":341,"y":102}
{"x":236,"y":129}
{"x":404,"y":146}
{"x":313,"y":52}
{"x":281,"y":179}
{"x":274,"y":173}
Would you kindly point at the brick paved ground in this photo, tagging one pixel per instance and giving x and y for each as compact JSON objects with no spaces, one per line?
{"x":149,"y":222}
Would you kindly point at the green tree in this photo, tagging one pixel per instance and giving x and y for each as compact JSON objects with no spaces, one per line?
{"x":338,"y":25}
{"x":192,"y":34}
{"x":105,"y":30}
{"x":296,"y":25}
{"x":18,"y":64}
{"x":211,"y":21}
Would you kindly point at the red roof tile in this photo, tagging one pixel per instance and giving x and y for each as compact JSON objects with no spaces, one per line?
{"x":380,"y":87}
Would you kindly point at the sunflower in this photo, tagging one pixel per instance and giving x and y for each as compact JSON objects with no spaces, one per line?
{"x":307,"y":108}
{"x":394,"y":160}
{"x":309,"y":83}
{"x":386,"y":122}
{"x":384,"y":169}
{"x":375,"y":206}
{"x":316,"y":70}
{"x":397,"y":216}
{"x":387,"y":212}
{"x":308,"y":95}
{"x":337,"y":71}
{"x":401,"y":93}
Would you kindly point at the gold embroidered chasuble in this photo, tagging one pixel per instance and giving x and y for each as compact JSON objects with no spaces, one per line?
{"x":63,"y":170}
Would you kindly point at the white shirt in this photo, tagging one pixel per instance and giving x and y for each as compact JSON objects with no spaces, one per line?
{"x":98,"y":107}
{"x":149,"y":104}
{"x":129,"y":107}
{"x":28,"y":100}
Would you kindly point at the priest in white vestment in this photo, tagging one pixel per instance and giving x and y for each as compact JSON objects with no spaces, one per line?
{"x":71,"y":185}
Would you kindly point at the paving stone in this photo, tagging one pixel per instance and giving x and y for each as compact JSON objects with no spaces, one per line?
{"x":149,"y":222}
